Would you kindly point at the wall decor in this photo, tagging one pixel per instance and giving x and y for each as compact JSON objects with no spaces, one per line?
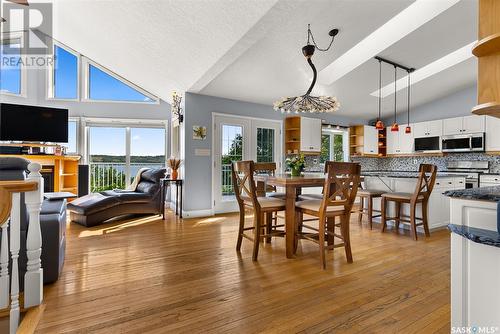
{"x":199,"y":132}
{"x":176,"y":108}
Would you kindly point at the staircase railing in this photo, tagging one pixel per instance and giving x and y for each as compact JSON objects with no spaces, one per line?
{"x":10,"y":223}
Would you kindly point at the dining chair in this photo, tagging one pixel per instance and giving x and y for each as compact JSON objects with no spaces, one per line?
{"x":425,"y":184}
{"x":339,"y":192}
{"x":267,"y":168}
{"x":367,"y":195}
{"x":262,"y":207}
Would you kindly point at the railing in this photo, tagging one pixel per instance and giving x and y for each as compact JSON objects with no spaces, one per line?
{"x":10,"y":214}
{"x":113,"y":175}
{"x":227,"y":181}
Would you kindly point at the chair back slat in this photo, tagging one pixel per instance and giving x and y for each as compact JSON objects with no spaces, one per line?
{"x":426,"y":180}
{"x":243,"y":182}
{"x":341,"y":184}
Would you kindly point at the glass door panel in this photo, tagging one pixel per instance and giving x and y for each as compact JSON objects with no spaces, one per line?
{"x":265,"y":145}
{"x":232,"y":150}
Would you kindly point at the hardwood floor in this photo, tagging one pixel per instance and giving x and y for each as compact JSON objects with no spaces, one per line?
{"x":153,"y":276}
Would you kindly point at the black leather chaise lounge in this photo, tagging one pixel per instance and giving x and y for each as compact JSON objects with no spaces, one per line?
{"x":94,"y":209}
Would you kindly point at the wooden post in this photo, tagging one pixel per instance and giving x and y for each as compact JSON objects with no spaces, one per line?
{"x":33,"y":280}
{"x":4,"y":267}
{"x":15,"y":232}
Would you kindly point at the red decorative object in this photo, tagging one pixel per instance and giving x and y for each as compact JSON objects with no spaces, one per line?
{"x":408,"y":129}
{"x":379,"y":125}
{"x":395,"y":127}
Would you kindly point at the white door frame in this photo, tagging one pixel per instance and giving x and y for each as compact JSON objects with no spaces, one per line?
{"x":249,"y":125}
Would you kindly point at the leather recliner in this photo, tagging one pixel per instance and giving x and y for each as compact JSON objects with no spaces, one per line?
{"x":94,"y":209}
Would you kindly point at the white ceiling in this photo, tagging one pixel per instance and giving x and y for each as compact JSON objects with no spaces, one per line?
{"x":251,"y":50}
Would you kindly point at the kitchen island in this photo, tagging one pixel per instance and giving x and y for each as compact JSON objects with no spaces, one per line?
{"x":475,"y":259}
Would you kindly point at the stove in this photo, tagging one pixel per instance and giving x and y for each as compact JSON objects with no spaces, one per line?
{"x":471,"y":170}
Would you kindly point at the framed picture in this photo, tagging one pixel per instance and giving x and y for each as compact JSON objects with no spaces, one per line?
{"x":199,"y":132}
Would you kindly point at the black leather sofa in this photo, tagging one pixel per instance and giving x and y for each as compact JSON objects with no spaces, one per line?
{"x":94,"y":209}
{"x":52,"y":225}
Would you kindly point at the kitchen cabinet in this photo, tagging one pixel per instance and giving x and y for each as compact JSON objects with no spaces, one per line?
{"x":310,"y":134}
{"x":370,"y":140}
{"x":399,"y":142}
{"x":463,"y":125}
{"x":428,"y":129}
{"x":492,"y":133}
{"x":489,"y":180}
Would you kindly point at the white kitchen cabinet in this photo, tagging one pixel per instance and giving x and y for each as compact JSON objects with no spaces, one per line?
{"x":463,"y":125}
{"x":492,"y":133}
{"x":399,"y":142}
{"x":310,"y":134}
{"x":489,"y":180}
{"x":428,"y":129}
{"x":370,"y":140}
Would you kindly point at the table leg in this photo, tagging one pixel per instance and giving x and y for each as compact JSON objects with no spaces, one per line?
{"x":290,"y":220}
{"x":162,"y":204}
{"x":180,"y":213}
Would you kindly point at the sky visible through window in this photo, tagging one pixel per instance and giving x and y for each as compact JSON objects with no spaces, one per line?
{"x":65,"y":74}
{"x":10,"y":77}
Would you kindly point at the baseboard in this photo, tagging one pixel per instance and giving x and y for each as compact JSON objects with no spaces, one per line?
{"x":31,"y":319}
{"x":197,"y":213}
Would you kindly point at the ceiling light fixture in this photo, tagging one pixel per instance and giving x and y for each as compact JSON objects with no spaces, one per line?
{"x":439,"y":65}
{"x":307,"y":102}
{"x":408,"y":127}
{"x":395,"y":125}
{"x":379,"y":125}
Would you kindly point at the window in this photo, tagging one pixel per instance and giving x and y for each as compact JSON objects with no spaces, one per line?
{"x":10,"y":68}
{"x":105,"y":87}
{"x":72,"y":145}
{"x":265,"y":145}
{"x":332,"y":146}
{"x":65,"y":75}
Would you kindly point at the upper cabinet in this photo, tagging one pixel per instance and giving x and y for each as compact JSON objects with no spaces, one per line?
{"x":492,"y":133}
{"x":370,"y":143}
{"x":463,"y":125}
{"x":310,"y":134}
{"x":363,"y":140}
{"x":302,"y":135}
{"x":399,"y":142}
{"x":428,"y":129}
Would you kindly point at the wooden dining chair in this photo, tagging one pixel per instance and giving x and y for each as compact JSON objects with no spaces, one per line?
{"x":339,"y":192}
{"x":262,"y":207}
{"x":423,"y":189}
{"x":267,"y":168}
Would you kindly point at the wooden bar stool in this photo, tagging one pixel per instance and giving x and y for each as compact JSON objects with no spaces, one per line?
{"x":262,"y":207}
{"x":425,"y":183}
{"x":268,"y":168}
{"x":368,"y":195}
{"x":339,"y":192}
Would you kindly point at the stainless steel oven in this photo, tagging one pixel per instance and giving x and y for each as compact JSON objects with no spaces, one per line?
{"x":463,"y":143}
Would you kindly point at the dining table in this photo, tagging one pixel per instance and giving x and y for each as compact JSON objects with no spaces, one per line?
{"x":292,"y":186}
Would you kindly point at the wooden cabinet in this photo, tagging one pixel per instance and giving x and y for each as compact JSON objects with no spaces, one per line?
{"x":370,"y":142}
{"x":492,"y":133}
{"x":428,"y":129}
{"x":302,"y":135}
{"x":399,"y":142}
{"x":364,"y":140}
{"x":463,"y":125}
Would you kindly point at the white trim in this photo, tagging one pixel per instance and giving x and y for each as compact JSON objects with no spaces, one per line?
{"x":197,"y":213}
{"x":86,"y":62}
{"x":50,"y":84}
{"x":24,"y":72}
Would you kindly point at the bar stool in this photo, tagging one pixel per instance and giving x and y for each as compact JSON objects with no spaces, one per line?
{"x":425,"y":183}
{"x":369,"y":195}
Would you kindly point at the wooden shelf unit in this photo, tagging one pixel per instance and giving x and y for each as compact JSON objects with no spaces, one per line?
{"x":487,"y":50}
{"x":356,"y":135}
{"x":382,"y":142}
{"x":292,"y":135}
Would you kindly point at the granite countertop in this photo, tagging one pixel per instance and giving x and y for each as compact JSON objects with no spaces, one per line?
{"x":491,"y":194}
{"x":478,"y":235}
{"x":405,"y":174}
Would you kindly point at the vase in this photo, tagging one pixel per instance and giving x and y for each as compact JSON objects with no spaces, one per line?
{"x":296,"y":171}
{"x":175,"y":174}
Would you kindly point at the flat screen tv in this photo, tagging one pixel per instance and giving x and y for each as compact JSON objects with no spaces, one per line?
{"x":33,"y":124}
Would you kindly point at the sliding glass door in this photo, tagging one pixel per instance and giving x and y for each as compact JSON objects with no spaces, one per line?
{"x":236,"y":139}
{"x":117,"y":153}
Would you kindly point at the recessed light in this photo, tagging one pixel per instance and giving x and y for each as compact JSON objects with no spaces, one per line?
{"x":408,"y":20}
{"x":428,"y":70}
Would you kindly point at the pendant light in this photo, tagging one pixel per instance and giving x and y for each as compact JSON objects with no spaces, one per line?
{"x":395,"y":125}
{"x":379,"y":125}
{"x":408,"y":127}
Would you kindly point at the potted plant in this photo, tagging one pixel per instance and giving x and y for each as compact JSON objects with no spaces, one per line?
{"x":296,"y":164}
{"x":174,"y":164}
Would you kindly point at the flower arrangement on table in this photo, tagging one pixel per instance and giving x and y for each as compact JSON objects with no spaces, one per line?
{"x":296,"y":164}
{"x":174,"y":165}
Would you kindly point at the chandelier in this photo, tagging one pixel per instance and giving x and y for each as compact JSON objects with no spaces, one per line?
{"x":307,"y":102}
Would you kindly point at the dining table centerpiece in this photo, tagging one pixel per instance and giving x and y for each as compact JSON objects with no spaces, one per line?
{"x":296,"y":164}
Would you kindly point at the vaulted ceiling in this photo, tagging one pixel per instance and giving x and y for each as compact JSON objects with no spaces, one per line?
{"x":251,"y":50}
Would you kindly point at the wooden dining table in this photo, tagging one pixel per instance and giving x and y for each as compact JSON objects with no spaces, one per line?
{"x":292,"y":185}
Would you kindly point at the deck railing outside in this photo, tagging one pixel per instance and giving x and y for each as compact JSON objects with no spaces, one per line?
{"x":113,"y":175}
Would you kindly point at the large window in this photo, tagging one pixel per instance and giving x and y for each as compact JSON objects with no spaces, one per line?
{"x":72,"y":144}
{"x":332,"y":146}
{"x":103,"y":86}
{"x":65,"y":75}
{"x":10,"y":68}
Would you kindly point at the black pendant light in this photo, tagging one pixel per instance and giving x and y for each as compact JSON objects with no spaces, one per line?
{"x":379,"y":125}
{"x":395,"y":125}
{"x":408,"y":127}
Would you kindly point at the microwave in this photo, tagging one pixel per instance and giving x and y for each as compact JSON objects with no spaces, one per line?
{"x":473,"y":142}
{"x":426,"y":144}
